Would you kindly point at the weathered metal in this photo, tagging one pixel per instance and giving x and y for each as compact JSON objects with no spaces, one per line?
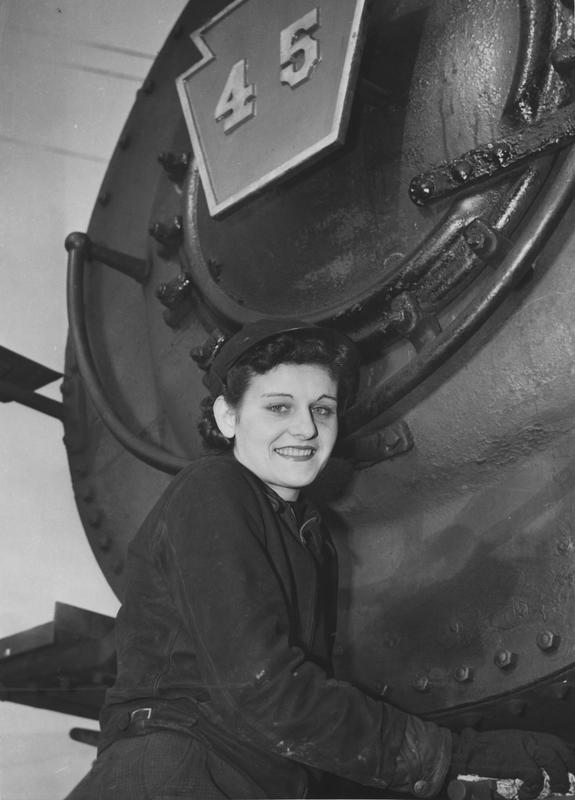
{"x":452,"y":493}
{"x":494,"y":158}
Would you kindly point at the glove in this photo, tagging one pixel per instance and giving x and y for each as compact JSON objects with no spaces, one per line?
{"x":514,"y":754}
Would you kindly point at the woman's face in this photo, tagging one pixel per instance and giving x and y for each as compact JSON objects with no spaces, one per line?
{"x":285,"y":425}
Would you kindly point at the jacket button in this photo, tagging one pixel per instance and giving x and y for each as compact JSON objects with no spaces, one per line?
{"x":124,"y":722}
{"x":421,"y":787}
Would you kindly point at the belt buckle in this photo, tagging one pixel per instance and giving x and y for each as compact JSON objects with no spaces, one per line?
{"x":139,"y":715}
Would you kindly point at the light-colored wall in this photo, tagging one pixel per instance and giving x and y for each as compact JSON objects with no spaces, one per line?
{"x":69,"y":72}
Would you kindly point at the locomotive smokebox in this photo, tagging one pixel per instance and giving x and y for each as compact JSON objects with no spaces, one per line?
{"x":403,"y":172}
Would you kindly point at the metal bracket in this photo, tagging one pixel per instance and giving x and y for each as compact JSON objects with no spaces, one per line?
{"x":381,"y":445}
{"x":496,"y":157}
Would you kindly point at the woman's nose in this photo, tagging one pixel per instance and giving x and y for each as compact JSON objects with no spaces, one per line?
{"x":303,"y":425}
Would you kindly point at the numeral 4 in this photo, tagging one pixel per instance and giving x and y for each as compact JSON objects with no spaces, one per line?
{"x":238,"y":100}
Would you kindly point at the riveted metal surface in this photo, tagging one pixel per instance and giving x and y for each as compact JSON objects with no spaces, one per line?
{"x":463,"y":546}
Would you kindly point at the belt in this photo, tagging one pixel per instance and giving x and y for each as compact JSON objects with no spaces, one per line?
{"x":123,"y":721}
{"x":273,"y":775}
{"x":144,"y":719}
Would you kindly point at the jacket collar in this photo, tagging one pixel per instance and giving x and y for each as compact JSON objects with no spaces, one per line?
{"x":306,"y":511}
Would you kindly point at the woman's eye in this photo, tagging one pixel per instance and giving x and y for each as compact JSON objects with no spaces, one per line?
{"x":323,"y":411}
{"x":278,"y":408}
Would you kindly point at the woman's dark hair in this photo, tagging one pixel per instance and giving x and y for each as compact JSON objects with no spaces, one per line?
{"x":286,"y":348}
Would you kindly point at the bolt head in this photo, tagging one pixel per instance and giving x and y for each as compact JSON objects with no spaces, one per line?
{"x":517,"y":707}
{"x":504,"y":658}
{"x":421,"y":683}
{"x":462,"y":171}
{"x":421,"y":189}
{"x":559,"y":691}
{"x":502,"y":153}
{"x":547,"y":640}
{"x":94,"y":518}
{"x":463,"y":674}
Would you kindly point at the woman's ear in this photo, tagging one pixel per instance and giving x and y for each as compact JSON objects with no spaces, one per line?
{"x":225,"y":417}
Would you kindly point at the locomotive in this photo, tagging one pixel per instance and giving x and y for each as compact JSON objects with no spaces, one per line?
{"x":401,"y":171}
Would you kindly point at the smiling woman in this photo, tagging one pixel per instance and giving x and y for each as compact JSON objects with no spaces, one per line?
{"x":285,"y":427}
{"x":278,"y":406}
{"x":225,"y":686}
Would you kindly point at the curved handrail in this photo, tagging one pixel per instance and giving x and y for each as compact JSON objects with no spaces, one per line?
{"x":78,"y":246}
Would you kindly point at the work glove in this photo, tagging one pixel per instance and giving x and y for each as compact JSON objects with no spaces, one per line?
{"x":514,"y":754}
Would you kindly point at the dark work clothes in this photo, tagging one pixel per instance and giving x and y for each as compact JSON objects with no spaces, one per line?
{"x":164,"y":766}
{"x":224,"y":640}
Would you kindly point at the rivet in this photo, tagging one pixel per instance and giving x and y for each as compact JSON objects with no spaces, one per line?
{"x":462,"y":171}
{"x":475,"y":236}
{"x":215,"y":269}
{"x":565,"y":545}
{"x":167,"y":233}
{"x":66,"y":388}
{"x":124,"y":141}
{"x":175,"y":165}
{"x":517,"y":707}
{"x":94,"y":518}
{"x":421,"y":683}
{"x":502,"y":153}
{"x":74,"y":442}
{"x":80,"y":469}
{"x":104,"y":541}
{"x":6,"y":652}
{"x":504,"y":659}
{"x":118,"y":566}
{"x":148,"y":86}
{"x":547,"y":640}
{"x":559,"y":691}
{"x":463,"y":674}
{"x":391,"y":438}
{"x":104,"y":198}
{"x":177,"y":32}
{"x":88,"y":494}
{"x":421,"y":189}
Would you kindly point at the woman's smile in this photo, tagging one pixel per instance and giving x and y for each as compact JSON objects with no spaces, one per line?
{"x":299,"y":453}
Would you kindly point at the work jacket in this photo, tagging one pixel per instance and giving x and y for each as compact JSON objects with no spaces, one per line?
{"x":225,"y":633}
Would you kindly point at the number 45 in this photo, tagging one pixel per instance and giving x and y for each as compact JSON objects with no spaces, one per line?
{"x":299,"y":53}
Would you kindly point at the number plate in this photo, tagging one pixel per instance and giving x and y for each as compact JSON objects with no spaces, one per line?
{"x":271,"y":91}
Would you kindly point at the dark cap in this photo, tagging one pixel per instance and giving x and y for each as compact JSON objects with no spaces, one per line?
{"x":256,"y":332}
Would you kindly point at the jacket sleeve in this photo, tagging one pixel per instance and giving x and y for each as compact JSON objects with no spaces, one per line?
{"x":261,"y":684}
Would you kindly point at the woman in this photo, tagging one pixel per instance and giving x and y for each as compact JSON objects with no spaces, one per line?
{"x":224,"y":686}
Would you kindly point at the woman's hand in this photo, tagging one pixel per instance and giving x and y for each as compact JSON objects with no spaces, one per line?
{"x":515,"y":754}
